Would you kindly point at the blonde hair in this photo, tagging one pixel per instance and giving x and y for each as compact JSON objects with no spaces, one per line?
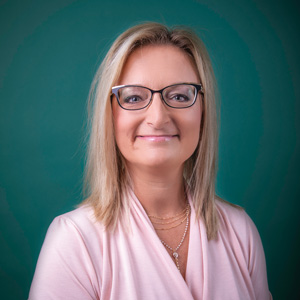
{"x":106,"y":176}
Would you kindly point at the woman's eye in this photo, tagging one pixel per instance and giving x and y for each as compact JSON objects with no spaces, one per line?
{"x":179,"y":98}
{"x":132,"y":99}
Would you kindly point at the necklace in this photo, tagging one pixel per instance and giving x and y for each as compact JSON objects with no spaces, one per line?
{"x":172,"y":219}
{"x":168,"y":218}
{"x":180,"y":220}
{"x":175,"y":253}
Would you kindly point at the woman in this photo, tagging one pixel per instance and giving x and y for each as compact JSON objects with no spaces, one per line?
{"x":152,"y":227}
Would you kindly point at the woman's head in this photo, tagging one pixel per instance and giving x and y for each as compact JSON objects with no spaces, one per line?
{"x":107,"y":175}
{"x":160,"y":130}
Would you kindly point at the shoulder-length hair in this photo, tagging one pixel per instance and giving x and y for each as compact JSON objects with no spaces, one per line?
{"x":106,"y":177}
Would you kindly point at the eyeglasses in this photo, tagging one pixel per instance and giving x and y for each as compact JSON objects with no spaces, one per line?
{"x":135,"y":97}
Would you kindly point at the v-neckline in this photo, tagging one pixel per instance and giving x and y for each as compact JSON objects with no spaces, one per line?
{"x":162,"y":248}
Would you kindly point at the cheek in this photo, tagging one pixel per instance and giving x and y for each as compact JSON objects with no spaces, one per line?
{"x":192,"y":126}
{"x":124,"y":128}
{"x":119,"y":129}
{"x":117,"y":122}
{"x":194,"y":134}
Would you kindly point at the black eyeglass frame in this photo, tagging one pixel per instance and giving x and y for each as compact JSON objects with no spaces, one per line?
{"x":198,"y":86}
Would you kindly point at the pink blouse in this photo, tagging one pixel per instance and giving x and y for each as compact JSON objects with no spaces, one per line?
{"x":80,"y":260}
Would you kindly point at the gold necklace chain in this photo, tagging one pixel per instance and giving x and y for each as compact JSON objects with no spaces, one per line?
{"x":183,"y":213}
{"x":176,"y":225}
{"x":167,"y":218}
{"x":174,"y":251}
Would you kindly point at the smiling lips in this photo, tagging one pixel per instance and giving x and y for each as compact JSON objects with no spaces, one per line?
{"x":157,"y":138}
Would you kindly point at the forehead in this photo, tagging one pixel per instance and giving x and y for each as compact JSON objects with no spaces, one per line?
{"x":156,"y":66}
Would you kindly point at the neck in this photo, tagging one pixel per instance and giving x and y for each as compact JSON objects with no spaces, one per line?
{"x":161,"y":193}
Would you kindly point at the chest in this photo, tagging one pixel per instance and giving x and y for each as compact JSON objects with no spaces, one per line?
{"x":138,"y":266}
{"x":176,"y":243}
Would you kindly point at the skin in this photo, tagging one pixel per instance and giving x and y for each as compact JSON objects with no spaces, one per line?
{"x":157,"y":140}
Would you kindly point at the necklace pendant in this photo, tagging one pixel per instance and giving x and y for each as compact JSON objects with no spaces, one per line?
{"x":176,"y":255}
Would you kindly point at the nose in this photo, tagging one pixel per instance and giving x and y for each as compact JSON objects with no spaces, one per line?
{"x":158,"y":114}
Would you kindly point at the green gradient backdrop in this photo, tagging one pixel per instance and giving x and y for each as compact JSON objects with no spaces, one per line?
{"x":49,"y":51}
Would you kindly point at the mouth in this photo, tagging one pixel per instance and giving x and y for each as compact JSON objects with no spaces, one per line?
{"x":157,"y":138}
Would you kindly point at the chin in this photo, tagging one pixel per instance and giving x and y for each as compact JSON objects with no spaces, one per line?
{"x":154,"y":158}
{"x":161,"y":162}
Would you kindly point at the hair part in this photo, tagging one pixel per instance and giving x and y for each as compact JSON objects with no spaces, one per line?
{"x":106,"y":176}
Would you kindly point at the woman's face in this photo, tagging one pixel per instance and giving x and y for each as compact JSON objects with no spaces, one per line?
{"x":158,"y":135}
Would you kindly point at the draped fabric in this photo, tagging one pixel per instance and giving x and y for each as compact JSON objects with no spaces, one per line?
{"x":81,"y":260}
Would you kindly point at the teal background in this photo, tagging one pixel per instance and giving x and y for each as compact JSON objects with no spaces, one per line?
{"x":49,"y":52}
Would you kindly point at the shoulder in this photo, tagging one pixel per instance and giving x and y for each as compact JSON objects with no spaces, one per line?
{"x":73,"y":246}
{"x":237,"y":228}
{"x":75,"y":227}
{"x":234,"y":217}
{"x":81,"y":215}
{"x":82,"y":218}
{"x":236,"y":225}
